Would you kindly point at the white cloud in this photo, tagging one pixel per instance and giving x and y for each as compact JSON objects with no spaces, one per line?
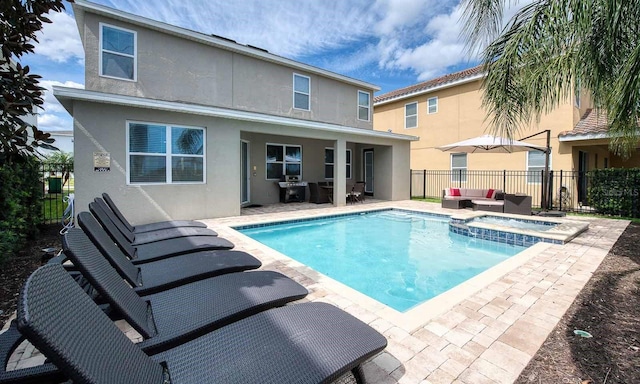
{"x":51,"y":104}
{"x":53,"y":122}
{"x":286,"y":28}
{"x":59,"y":40}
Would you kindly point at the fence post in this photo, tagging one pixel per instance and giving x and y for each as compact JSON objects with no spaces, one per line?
{"x":424,"y":183}
{"x":550,"y":191}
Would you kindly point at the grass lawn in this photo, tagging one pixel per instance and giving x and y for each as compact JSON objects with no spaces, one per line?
{"x":53,"y":206}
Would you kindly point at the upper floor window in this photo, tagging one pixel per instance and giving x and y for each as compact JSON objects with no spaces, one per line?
{"x":329,"y":163}
{"x":364,"y":105}
{"x":432,"y":105}
{"x":117,"y":52}
{"x":411,"y":115}
{"x":283,"y":160}
{"x":165,"y":154}
{"x":301,"y":92}
{"x":535,"y":166}
{"x":459,"y":167}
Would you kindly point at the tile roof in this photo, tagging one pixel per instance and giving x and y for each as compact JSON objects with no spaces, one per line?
{"x":425,"y":86}
{"x":591,"y":123}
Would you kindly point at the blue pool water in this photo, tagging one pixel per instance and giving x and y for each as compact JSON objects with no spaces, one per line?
{"x":398,"y":258}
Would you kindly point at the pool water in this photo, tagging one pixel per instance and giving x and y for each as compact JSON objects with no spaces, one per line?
{"x":398,"y":258}
{"x":535,"y":225}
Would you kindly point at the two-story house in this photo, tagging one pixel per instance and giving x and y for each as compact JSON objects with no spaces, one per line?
{"x":449,"y":109}
{"x":181,"y":124}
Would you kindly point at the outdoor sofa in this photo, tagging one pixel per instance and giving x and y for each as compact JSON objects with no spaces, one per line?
{"x":300,"y":343}
{"x":457,"y":198}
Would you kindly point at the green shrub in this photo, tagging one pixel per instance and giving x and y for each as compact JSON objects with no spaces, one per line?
{"x":615,"y":191}
{"x":20,"y":205}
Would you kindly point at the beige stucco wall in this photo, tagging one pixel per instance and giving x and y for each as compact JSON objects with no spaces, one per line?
{"x":176,"y":69}
{"x":460,"y":116}
{"x":102,"y":128}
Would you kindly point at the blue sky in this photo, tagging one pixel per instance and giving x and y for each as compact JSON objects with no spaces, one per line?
{"x":390,"y":43}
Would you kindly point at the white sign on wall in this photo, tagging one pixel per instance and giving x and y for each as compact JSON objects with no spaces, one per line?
{"x":101,"y":162}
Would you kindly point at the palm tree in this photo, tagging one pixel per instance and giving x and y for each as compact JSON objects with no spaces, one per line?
{"x":553,"y":48}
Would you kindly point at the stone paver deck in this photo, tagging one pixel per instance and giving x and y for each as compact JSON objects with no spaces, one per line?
{"x":486,"y":333}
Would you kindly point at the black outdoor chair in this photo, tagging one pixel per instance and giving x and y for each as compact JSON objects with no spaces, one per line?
{"x":162,"y":274}
{"x":159,"y":249}
{"x":301,"y":343}
{"x":150,"y":226}
{"x":105,"y":213}
{"x":170,"y":317}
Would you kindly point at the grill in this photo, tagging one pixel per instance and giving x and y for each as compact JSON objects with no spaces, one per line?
{"x":292,"y":189}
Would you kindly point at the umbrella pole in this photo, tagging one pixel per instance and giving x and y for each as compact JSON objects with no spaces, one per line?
{"x":546,"y":181}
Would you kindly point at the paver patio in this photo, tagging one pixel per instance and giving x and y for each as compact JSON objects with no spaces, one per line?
{"x":487,"y":335}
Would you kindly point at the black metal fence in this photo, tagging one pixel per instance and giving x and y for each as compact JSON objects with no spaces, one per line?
{"x":57,"y":185}
{"x":567,"y":189}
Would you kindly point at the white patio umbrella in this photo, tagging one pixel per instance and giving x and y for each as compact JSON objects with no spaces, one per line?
{"x":497,"y":144}
{"x":491,"y":144}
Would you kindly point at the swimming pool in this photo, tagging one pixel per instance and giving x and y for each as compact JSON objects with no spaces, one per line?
{"x":397,"y":257}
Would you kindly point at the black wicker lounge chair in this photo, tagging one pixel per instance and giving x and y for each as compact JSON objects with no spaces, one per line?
{"x":163,"y":274}
{"x":301,"y":343}
{"x":106,"y":213}
{"x":151,"y":226}
{"x":40,"y":374}
{"x":171,"y":317}
{"x":160,"y":249}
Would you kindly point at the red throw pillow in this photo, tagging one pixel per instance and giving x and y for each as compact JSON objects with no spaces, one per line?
{"x":490,"y":194}
{"x":455,"y":192}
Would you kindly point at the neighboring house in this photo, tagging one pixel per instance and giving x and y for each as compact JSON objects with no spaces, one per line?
{"x":176,"y":123}
{"x":449,"y":109}
{"x":63,"y":141}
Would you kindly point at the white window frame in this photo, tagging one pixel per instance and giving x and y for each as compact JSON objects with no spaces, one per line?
{"x":284,"y":161}
{"x":302,"y":93}
{"x":367,"y":107}
{"x":455,"y":170}
{"x":349,"y":163}
{"x":168,"y":154}
{"x":528,"y":167}
{"x":349,"y":169}
{"x":429,"y":112}
{"x":406,"y":116}
{"x":134,"y":56}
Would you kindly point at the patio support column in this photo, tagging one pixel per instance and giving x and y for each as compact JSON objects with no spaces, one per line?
{"x":340,"y":173}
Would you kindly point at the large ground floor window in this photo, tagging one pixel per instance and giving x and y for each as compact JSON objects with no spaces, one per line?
{"x":329,"y":163}
{"x":283,"y":159}
{"x":165,"y":154}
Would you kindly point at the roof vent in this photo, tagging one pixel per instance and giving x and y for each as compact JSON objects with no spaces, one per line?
{"x":224,"y":38}
{"x":258,"y":48}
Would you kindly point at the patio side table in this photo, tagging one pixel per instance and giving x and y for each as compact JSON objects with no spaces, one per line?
{"x":517,"y":203}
